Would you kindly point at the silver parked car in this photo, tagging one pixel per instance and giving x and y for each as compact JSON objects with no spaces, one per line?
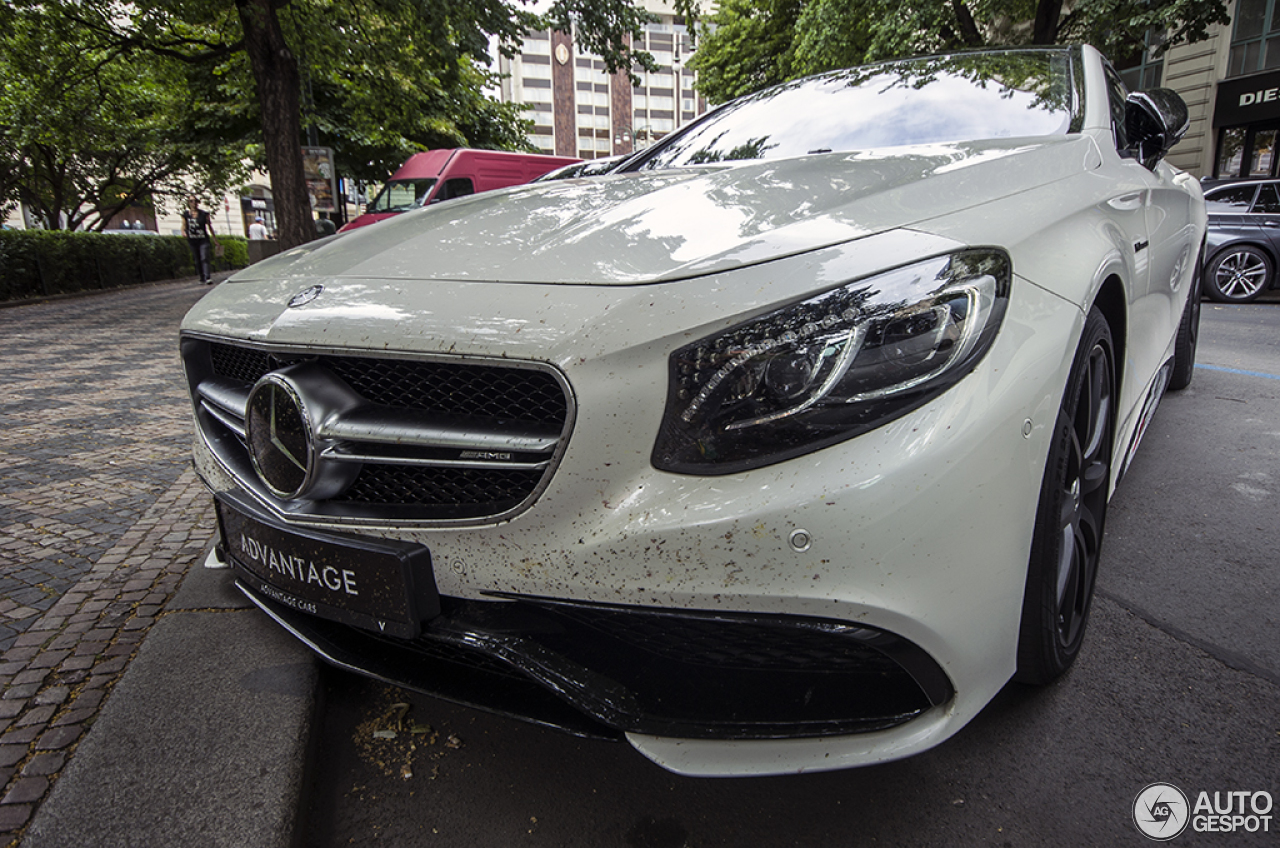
{"x":1243,"y":240}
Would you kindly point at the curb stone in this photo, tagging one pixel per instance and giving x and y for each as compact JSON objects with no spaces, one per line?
{"x":203,"y":741}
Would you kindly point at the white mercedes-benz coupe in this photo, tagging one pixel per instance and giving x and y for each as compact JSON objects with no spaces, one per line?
{"x":782,"y":447}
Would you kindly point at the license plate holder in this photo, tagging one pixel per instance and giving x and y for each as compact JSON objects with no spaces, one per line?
{"x":376,"y":584}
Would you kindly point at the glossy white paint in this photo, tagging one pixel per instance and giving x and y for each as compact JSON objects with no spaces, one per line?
{"x":921,"y":527}
{"x":656,"y":226}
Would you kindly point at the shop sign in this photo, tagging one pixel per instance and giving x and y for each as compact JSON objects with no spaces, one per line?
{"x":1247,"y":100}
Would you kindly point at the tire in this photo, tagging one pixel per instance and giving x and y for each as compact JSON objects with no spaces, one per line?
{"x":1184,"y":348}
{"x":1067,"y":539}
{"x":1238,"y":274}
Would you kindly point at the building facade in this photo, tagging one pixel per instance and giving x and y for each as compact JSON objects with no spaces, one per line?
{"x":1231,"y":83}
{"x":579,"y":109}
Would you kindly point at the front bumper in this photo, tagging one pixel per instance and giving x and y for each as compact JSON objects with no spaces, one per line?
{"x":602,"y":671}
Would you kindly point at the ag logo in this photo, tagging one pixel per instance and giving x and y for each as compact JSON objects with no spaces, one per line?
{"x":1161,"y":811}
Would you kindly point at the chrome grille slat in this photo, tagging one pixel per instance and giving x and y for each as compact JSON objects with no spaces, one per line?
{"x":394,"y":426}
{"x":227,"y":395}
{"x":231,"y":422}
{"x":342,"y":456}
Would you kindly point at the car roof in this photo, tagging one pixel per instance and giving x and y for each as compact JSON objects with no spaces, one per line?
{"x":1247,"y":182}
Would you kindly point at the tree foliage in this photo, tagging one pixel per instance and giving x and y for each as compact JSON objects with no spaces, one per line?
{"x":86,"y":132}
{"x":375,"y":79}
{"x":747,"y":44}
{"x":752,"y":46}
{"x":376,"y":93}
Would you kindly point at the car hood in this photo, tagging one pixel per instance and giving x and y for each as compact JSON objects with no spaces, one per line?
{"x":658,"y":226}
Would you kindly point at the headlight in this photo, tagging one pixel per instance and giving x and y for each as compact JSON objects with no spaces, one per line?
{"x":830,"y":367}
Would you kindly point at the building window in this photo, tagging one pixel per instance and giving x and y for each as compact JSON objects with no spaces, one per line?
{"x":1143,"y":68}
{"x":1262,"y":156}
{"x":1230,"y":152}
{"x":535,"y":71}
{"x":536,"y":46}
{"x":1248,"y":151}
{"x":1255,"y":43}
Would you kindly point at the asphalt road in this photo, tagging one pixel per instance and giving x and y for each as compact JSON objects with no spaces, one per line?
{"x":1179,"y":682}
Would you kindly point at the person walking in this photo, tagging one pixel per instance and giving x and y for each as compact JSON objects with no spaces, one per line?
{"x":257,"y":230}
{"x":198,"y":228}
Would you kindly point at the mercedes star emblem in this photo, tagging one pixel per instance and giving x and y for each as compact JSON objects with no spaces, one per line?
{"x":279,"y":437}
{"x":305,"y":296}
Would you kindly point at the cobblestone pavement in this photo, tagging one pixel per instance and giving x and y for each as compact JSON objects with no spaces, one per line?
{"x":100,"y":514}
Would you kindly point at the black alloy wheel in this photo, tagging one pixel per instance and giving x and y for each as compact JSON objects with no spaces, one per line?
{"x":1067,"y":539}
{"x":1238,"y":274}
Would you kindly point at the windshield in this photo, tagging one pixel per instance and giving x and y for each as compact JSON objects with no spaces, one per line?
{"x":965,"y":97}
{"x":401,"y":195}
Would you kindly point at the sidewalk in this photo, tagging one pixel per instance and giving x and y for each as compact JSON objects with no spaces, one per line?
{"x":100,"y":520}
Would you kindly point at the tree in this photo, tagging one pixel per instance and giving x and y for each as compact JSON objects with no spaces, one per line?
{"x":826,"y":34}
{"x":375,"y":94}
{"x":753,"y":47}
{"x":329,"y":48}
{"x":87,"y":133}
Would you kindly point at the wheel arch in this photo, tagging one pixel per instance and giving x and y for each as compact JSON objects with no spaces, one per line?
{"x":1113,"y":304}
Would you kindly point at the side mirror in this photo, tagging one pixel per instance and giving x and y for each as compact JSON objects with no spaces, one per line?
{"x":1155,"y":121}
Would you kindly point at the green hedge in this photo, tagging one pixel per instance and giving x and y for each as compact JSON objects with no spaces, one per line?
{"x":38,"y":263}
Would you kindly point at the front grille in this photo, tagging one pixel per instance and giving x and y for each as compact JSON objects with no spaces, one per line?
{"x":404,"y":404}
{"x":241,"y":364}
{"x":515,"y":394}
{"x":498,"y":393}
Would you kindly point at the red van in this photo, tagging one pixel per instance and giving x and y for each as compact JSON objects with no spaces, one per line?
{"x":443,"y":174}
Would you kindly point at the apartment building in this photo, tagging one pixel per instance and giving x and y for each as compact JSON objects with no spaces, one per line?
{"x":579,"y":109}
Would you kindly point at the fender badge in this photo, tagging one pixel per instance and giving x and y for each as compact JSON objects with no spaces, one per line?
{"x":305,"y":296}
